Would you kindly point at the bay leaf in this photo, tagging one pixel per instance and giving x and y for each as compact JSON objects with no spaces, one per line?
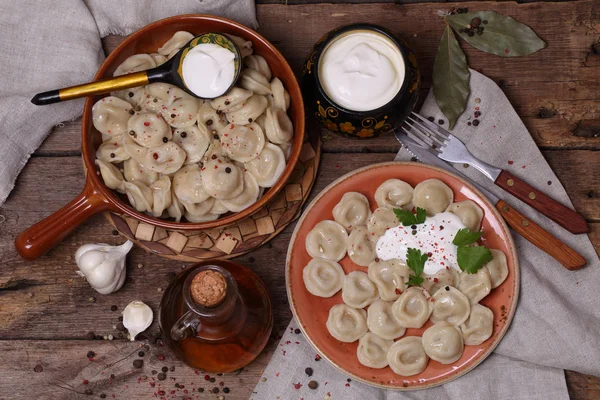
{"x":451,"y":77}
{"x":502,"y":35}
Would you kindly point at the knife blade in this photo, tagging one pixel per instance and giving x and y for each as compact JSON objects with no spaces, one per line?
{"x":531,"y":231}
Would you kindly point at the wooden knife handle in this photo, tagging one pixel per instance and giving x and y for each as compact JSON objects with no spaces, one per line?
{"x":557,"y":212}
{"x":537,"y":235}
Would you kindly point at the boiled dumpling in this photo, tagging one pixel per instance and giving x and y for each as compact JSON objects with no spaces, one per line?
{"x":469,"y":213}
{"x":246,"y":198}
{"x":218,"y":208}
{"x":111,"y":176}
{"x":389,"y":277}
{"x":159,"y":59}
{"x":161,"y":194}
{"x":134,"y":172}
{"x":450,"y":305}
{"x":393,"y":193}
{"x":176,"y":42}
{"x":112,"y":150}
{"x":372,"y":350}
{"x":250,"y":110}
{"x":287,"y":149}
{"x":148,"y":129}
{"x":268,"y":166}
{"x":358,"y":291}
{"x":231,"y":101}
{"x":254,"y":81}
{"x":407,"y":357}
{"x":165,"y":159}
{"x":322,"y":277}
{"x":214,"y":121}
{"x":156,"y":96}
{"x":198,"y":212}
{"x":194,"y":140}
{"x":200,"y":218}
{"x":443,"y":343}
{"x":361,"y":249}
{"x":259,"y":64}
{"x":346,"y":324}
{"x":214,"y":151}
{"x":135,"y":63}
{"x":327,"y":240}
{"x":444,"y":277}
{"x":110,"y":115}
{"x":382,"y":219}
{"x":475,"y":286}
{"x":381,"y":321}
{"x":245,"y":46}
{"x":412,"y":309}
{"x":278,"y":126}
{"x":479,"y":327}
{"x":188,"y":186}
{"x":176,"y":209}
{"x":243,"y":143}
{"x":181,"y":110}
{"x":352,"y":210}
{"x":281,"y":98}
{"x":139,"y":195}
{"x":222,"y":179}
{"x":134,"y":96}
{"x":433,"y":195}
{"x":498,"y":268}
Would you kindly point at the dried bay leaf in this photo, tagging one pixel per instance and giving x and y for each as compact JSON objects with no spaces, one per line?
{"x":502,"y":35}
{"x":451,"y":77}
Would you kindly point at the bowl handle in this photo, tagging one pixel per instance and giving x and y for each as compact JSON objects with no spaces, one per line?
{"x":47,"y":233}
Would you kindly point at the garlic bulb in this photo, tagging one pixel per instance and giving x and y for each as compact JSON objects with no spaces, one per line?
{"x":137,"y":317}
{"x":103,"y":265}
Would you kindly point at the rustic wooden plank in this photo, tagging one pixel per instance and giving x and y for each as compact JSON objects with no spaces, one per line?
{"x":554,"y":90}
{"x":582,"y":386}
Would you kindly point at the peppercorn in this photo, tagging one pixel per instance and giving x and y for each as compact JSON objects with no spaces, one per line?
{"x":201,"y":390}
{"x":138,"y":363}
{"x":161,"y":376}
{"x":212,"y":380}
{"x":308,"y":371}
{"x":221,"y":383}
{"x":227,"y":102}
{"x":313,"y":385}
{"x":228,"y":170}
{"x":215,"y":390}
{"x":475,"y":22}
{"x":91,"y":354}
{"x":102,"y":396}
{"x":441,"y":121}
{"x":209,"y":122}
{"x":141,"y":354}
{"x":155,"y":100}
{"x":249,"y":120}
{"x":183,"y":134}
{"x":165,"y":369}
{"x":213,"y":157}
{"x":447,"y":288}
{"x":38,"y":368}
{"x":173,"y":115}
{"x":413,"y":227}
{"x":113,"y":308}
{"x":475,"y":122}
{"x":431,"y":118}
{"x":88,"y":391}
{"x":297,"y":331}
{"x":225,"y":390}
{"x":471,"y":33}
{"x":172,"y":368}
{"x":477,"y":114}
{"x":131,"y":111}
{"x":165,"y":139}
{"x":112,"y":155}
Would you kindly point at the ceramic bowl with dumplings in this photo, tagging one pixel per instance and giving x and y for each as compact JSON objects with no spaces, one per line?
{"x":96,"y":197}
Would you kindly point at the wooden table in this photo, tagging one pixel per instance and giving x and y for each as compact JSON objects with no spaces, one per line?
{"x":47,"y":311}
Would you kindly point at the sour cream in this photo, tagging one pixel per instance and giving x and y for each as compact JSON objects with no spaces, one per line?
{"x":433,"y":237}
{"x":362,"y":70}
{"x":208,"y":70}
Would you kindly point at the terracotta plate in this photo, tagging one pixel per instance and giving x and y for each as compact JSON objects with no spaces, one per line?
{"x":311,"y":312}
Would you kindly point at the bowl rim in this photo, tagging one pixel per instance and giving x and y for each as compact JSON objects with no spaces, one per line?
{"x":117,"y":204}
{"x":510,"y":243}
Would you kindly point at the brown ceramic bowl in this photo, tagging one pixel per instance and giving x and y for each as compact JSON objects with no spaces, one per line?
{"x":311,"y":311}
{"x":96,"y":197}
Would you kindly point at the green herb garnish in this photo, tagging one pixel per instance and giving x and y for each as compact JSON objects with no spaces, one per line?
{"x":470,"y":259}
{"x":416,"y":262}
{"x":465,"y":237}
{"x":407,"y":218}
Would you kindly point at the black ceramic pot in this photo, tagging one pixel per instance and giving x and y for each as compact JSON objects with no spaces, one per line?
{"x":360,"y":124}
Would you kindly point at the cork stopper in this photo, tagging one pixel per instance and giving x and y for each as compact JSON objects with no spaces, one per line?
{"x":208,"y":288}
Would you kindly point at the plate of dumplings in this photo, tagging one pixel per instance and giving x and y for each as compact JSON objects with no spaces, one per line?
{"x":367,"y":315}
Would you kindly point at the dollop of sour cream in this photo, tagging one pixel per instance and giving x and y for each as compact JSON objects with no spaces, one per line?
{"x":361,"y":70}
{"x":433,"y":237}
{"x":208,"y":70}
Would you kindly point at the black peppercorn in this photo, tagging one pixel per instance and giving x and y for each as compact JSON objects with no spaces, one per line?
{"x":183,"y":134}
{"x":91,"y":354}
{"x":216,"y":137}
{"x":249,"y":120}
{"x":130,"y":94}
{"x":471,"y":33}
{"x":475,"y":122}
{"x":102,"y":396}
{"x":209,"y":122}
{"x":162,"y":376}
{"x":447,"y":288}
{"x":112,"y":155}
{"x":212,"y":380}
{"x":225,"y":390}
{"x":131,"y":111}
{"x":475,"y":22}
{"x":431,"y":118}
{"x":477,"y":114}
{"x":215,"y":390}
{"x":213,"y":157}
{"x":141,"y":354}
{"x":201,"y":390}
{"x":132,"y":133}
{"x":441,"y":121}
{"x":308,"y":371}
{"x":297,"y":331}
{"x":228,"y":170}
{"x":138,"y":363}
{"x":173,"y":115}
{"x":165,"y":369}
{"x":227,"y":102}
{"x":165,"y":139}
{"x":413,"y":227}
{"x":113,"y":307}
{"x":155,"y":100}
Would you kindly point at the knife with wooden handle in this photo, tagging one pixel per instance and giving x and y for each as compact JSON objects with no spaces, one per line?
{"x":531,"y":231}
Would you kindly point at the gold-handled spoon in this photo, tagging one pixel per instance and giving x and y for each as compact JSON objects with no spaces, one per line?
{"x":169,"y":72}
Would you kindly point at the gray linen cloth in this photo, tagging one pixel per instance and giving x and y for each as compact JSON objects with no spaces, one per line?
{"x":557,"y":322}
{"x":49,"y":45}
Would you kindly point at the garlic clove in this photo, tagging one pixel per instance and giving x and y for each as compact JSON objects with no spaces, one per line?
{"x":103,"y":265}
{"x":137,"y":317}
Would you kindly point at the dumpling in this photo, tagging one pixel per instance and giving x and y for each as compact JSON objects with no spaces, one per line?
{"x":433,"y":195}
{"x":327,"y":240}
{"x":176,"y":42}
{"x":214,"y":151}
{"x":112,"y":150}
{"x":161,"y":194}
{"x":361,"y":249}
{"x":322,"y":277}
{"x":246,"y":198}
{"x":443,"y":343}
{"x":148,"y":129}
{"x":475,"y":286}
{"x":381,"y":321}
{"x":135,"y":63}
{"x":181,"y":110}
{"x":231,"y":101}
{"x":479,"y":327}
{"x":358,"y":291}
{"x":250,"y":110}
{"x":450,"y":305}
{"x":444,"y":277}
{"x":198,"y":212}
{"x":406,"y":357}
{"x":175,"y":210}
{"x":215,"y":121}
{"x":201,"y":218}
{"x":372,"y":350}
{"x":134,"y":96}
{"x":382,"y":219}
{"x":346,"y":324}
{"x":188,"y":186}
{"x":352,"y":210}
{"x":469,"y":213}
{"x":412,"y":309}
{"x":278,"y":126}
{"x":139,"y":195}
{"x":165,"y":159}
{"x":393,"y":193}
{"x":111,"y":176}
{"x":222,"y":179}
{"x":287,"y":149}
{"x":259,"y":64}
{"x":281,"y":97}
{"x":254,"y":81}
{"x":218,"y":208}
{"x":110,"y":115}
{"x":156,"y":96}
{"x":134,"y":172}
{"x":243,"y":143}
{"x":194,"y":140}
{"x":159,"y":59}
{"x":388,"y":276}
{"x":498,"y":268}
{"x":268,"y":166}
{"x":245,"y":46}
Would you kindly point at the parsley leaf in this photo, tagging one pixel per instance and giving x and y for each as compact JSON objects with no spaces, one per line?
{"x":471,"y":259}
{"x":416,"y":262}
{"x":407,"y":218}
{"x":465,"y":237}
